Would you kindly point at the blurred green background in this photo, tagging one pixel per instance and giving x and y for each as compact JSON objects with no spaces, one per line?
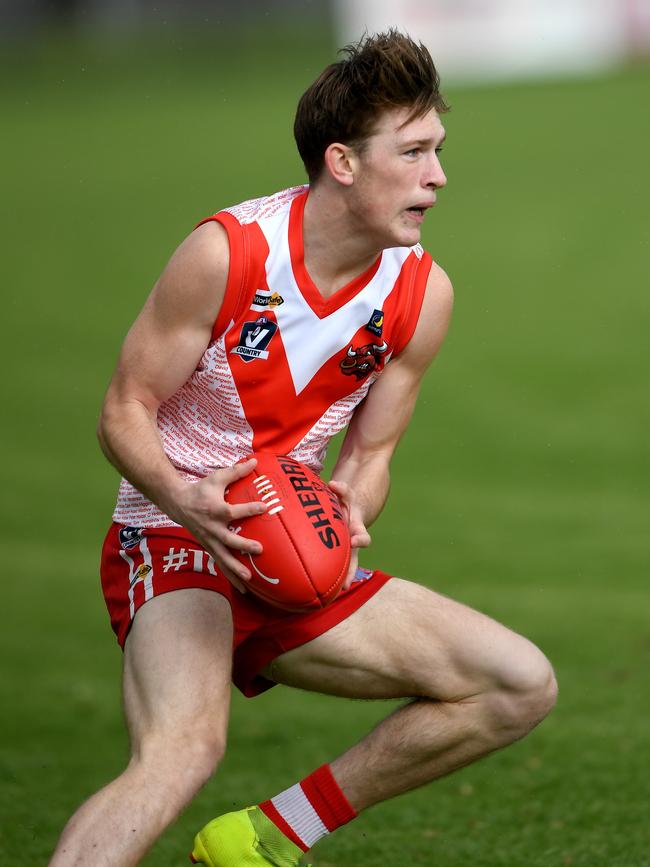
{"x":521,"y":487}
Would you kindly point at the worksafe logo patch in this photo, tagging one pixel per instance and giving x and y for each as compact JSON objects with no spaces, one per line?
{"x":254,"y":339}
{"x":262,"y":300}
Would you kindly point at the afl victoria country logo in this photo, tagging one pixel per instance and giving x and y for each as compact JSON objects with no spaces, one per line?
{"x":254,"y":339}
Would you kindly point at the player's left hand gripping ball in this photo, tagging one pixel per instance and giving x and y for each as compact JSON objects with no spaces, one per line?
{"x":304,"y":534}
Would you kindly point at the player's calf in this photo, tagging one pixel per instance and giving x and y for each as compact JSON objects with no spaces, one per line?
{"x":116,"y":827}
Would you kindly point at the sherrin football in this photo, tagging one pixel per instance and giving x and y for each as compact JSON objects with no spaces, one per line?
{"x":304,"y":534}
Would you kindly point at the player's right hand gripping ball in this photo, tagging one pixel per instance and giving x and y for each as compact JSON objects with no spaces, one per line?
{"x":304,"y":534}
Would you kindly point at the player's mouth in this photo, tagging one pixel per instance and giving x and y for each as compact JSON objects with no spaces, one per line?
{"x":417,"y":212}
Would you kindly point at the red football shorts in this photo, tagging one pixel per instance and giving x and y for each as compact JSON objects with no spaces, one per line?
{"x":138,"y":564}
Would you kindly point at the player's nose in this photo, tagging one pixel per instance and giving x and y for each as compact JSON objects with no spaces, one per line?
{"x":435,"y":177}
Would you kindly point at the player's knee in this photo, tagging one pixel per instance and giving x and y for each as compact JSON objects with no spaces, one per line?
{"x":527,"y":691}
{"x":187,"y":757}
{"x":202,"y":756}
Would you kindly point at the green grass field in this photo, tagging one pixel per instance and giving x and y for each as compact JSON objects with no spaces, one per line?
{"x":520,"y":489}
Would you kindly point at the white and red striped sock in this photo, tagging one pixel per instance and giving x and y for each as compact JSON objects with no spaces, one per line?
{"x":310,"y":809}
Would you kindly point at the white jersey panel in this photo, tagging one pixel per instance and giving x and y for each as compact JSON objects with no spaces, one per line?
{"x":298,"y":322}
{"x":265,"y":207}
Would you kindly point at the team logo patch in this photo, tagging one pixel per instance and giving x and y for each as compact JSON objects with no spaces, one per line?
{"x":362,"y":360}
{"x":254,"y":339}
{"x":130,"y":536}
{"x":376,"y":323}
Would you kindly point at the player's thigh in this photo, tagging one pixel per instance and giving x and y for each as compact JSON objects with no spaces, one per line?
{"x":407,"y":641}
{"x":177,"y":667}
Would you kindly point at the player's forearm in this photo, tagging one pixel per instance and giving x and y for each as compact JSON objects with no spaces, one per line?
{"x":369,"y":479}
{"x":129,"y":437}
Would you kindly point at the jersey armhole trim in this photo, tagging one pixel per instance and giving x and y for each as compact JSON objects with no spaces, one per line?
{"x":417,"y":286}
{"x":237,"y":270}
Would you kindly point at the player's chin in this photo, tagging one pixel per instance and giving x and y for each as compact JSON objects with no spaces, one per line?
{"x":409,"y":233}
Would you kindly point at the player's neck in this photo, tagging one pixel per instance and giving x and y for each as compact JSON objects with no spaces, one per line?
{"x":334,"y":252}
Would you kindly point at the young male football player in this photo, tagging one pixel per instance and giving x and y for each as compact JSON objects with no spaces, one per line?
{"x":275,"y":324}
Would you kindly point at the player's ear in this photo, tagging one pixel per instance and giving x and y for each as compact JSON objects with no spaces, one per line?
{"x":339,"y":162}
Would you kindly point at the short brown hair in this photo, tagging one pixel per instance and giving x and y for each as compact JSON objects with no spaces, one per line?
{"x":380,"y":72}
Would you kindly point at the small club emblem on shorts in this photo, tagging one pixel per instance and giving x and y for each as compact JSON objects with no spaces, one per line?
{"x":362,"y":574}
{"x":141,"y":573}
{"x":130,"y":537}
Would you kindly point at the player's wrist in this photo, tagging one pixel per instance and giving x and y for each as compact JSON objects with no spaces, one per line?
{"x":175,"y":499}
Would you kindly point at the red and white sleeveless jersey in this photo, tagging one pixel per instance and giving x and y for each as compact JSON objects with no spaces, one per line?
{"x":285,"y":368}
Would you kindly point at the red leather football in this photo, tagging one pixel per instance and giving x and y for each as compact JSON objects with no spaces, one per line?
{"x":304,"y":534}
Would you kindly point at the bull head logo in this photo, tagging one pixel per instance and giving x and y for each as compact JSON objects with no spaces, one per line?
{"x":362,"y":361}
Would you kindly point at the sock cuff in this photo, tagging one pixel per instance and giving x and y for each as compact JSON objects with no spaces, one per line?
{"x":327,"y":798}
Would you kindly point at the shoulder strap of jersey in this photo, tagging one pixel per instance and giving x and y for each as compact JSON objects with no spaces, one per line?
{"x":237,"y":269}
{"x":416,"y":285}
{"x":247,"y":255}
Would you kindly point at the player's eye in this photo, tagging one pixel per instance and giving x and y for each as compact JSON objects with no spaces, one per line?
{"x":439,"y":150}
{"x":413,"y":152}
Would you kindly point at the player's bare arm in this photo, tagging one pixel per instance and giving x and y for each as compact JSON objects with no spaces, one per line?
{"x":361,"y":476}
{"x":160,"y":352}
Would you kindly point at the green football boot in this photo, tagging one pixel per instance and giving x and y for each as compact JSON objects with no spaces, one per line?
{"x":247,"y":838}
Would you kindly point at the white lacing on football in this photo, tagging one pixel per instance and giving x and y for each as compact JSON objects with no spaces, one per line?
{"x":268,"y":494}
